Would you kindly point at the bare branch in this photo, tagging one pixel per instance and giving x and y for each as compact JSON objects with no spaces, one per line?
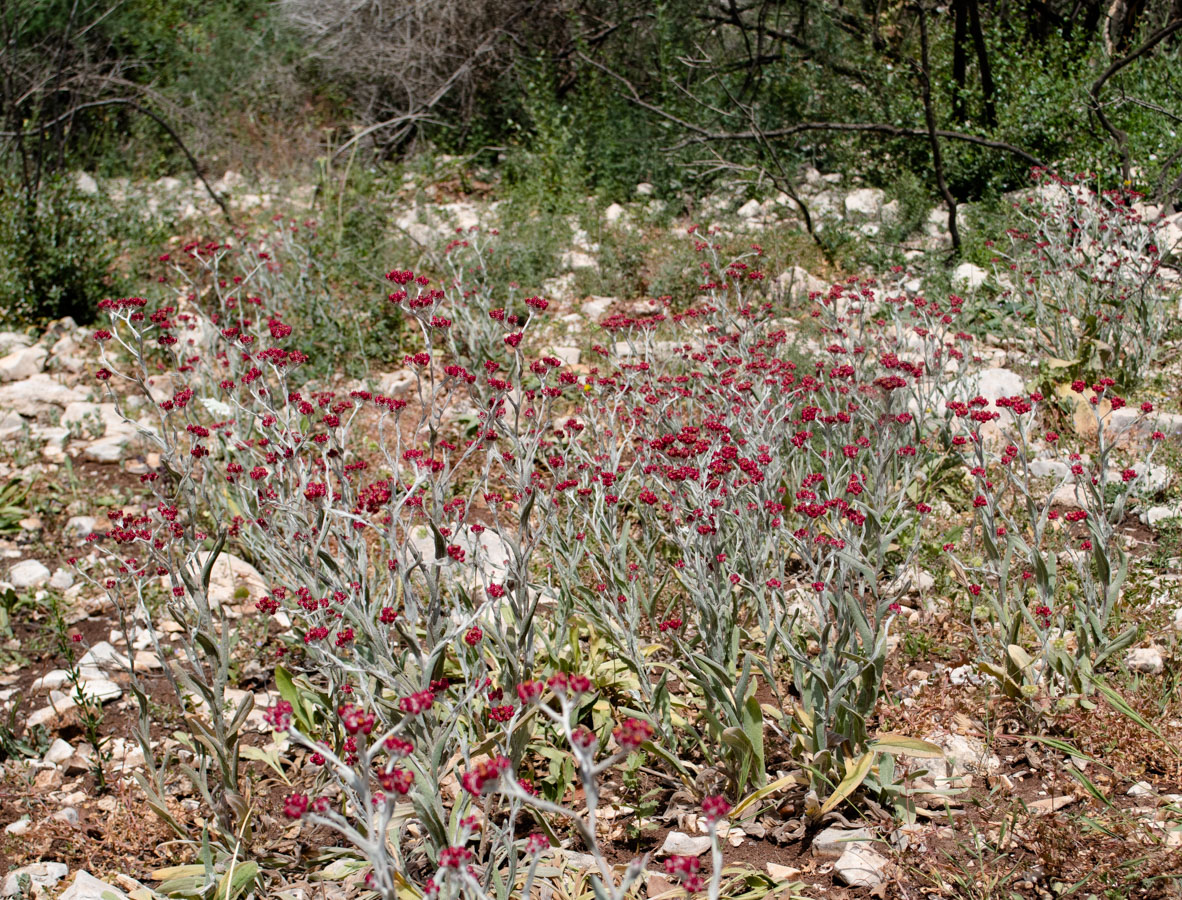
{"x":702,"y":135}
{"x":1119,"y":137}
{"x":131,"y":104}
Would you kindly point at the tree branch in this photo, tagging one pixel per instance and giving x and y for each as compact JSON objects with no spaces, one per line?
{"x":929,"y":114}
{"x":705,"y":135}
{"x":159,"y":120}
{"x":1119,"y":137}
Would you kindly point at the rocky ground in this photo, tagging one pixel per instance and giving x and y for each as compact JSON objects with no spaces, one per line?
{"x":1024,"y":824}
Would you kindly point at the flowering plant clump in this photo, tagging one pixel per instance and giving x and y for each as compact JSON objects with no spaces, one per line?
{"x":500,"y":581}
{"x":1086,"y":266}
{"x":1047,"y":577}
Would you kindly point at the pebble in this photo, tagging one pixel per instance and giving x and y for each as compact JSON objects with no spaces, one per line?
{"x":835,"y":841}
{"x":86,"y":887}
{"x":678,"y":843}
{"x":782,"y":873}
{"x":1141,"y":789}
{"x":80,"y":526}
{"x":62,"y":580}
{"x":861,"y":867}
{"x":101,"y":660}
{"x":1146,"y":660}
{"x":19,"y":827}
{"x":42,"y":876}
{"x":28,"y":573}
{"x":59,"y":751}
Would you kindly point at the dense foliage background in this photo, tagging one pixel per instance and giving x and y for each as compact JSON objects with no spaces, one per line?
{"x":938,"y":103}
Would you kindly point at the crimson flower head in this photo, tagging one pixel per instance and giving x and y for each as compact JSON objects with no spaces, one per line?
{"x":295,"y":805}
{"x":454,"y":857}
{"x":529,"y":691}
{"x":474,"y":636}
{"x":397,"y":780}
{"x":583,"y":738}
{"x":355,"y":719}
{"x":631,"y":733}
{"x":279,"y":716}
{"x":417,"y":703}
{"x":398,"y":747}
{"x":484,"y":775}
{"x":715,"y":808}
{"x":562,"y":683}
{"x":681,"y":866}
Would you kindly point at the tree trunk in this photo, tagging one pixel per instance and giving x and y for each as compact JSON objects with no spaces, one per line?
{"x":982,"y":62}
{"x":959,"y":63}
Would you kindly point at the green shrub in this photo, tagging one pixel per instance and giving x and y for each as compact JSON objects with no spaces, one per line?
{"x":55,"y":254}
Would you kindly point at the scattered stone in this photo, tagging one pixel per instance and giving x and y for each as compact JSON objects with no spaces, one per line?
{"x":35,"y":395}
{"x":781,"y":873}
{"x":54,"y":678}
{"x":69,"y":815}
{"x":1146,"y":660}
{"x":28,"y":573}
{"x":42,"y":876}
{"x":865,"y":202}
{"x":85,"y":183}
{"x":23,"y":363}
{"x":1155,"y":515}
{"x":910,"y":581}
{"x":11,"y":424}
{"x":233,"y":581}
{"x":59,"y":751}
{"x":966,"y":674}
{"x":19,"y":827}
{"x":1152,"y":478}
{"x":749,"y":210}
{"x":80,"y":526}
{"x":102,"y":660}
{"x":46,"y":715}
{"x":577,"y":259}
{"x":579,"y":861}
{"x":1049,"y":468}
{"x":62,"y":580}
{"x":569,"y":355}
{"x":1050,"y":805}
{"x":964,"y":755}
{"x":102,"y":690}
{"x":797,"y":283}
{"x":861,"y":867}
{"x":86,"y":887}
{"x":595,"y":307}
{"x":48,"y":779}
{"x":11,"y":340}
{"x":1141,"y":789}
{"x":678,"y":843}
{"x":613,"y":213}
{"x":107,"y":449}
{"x":146,"y":660}
{"x":993,"y":384}
{"x":969,"y":275}
{"x":834,"y":841}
